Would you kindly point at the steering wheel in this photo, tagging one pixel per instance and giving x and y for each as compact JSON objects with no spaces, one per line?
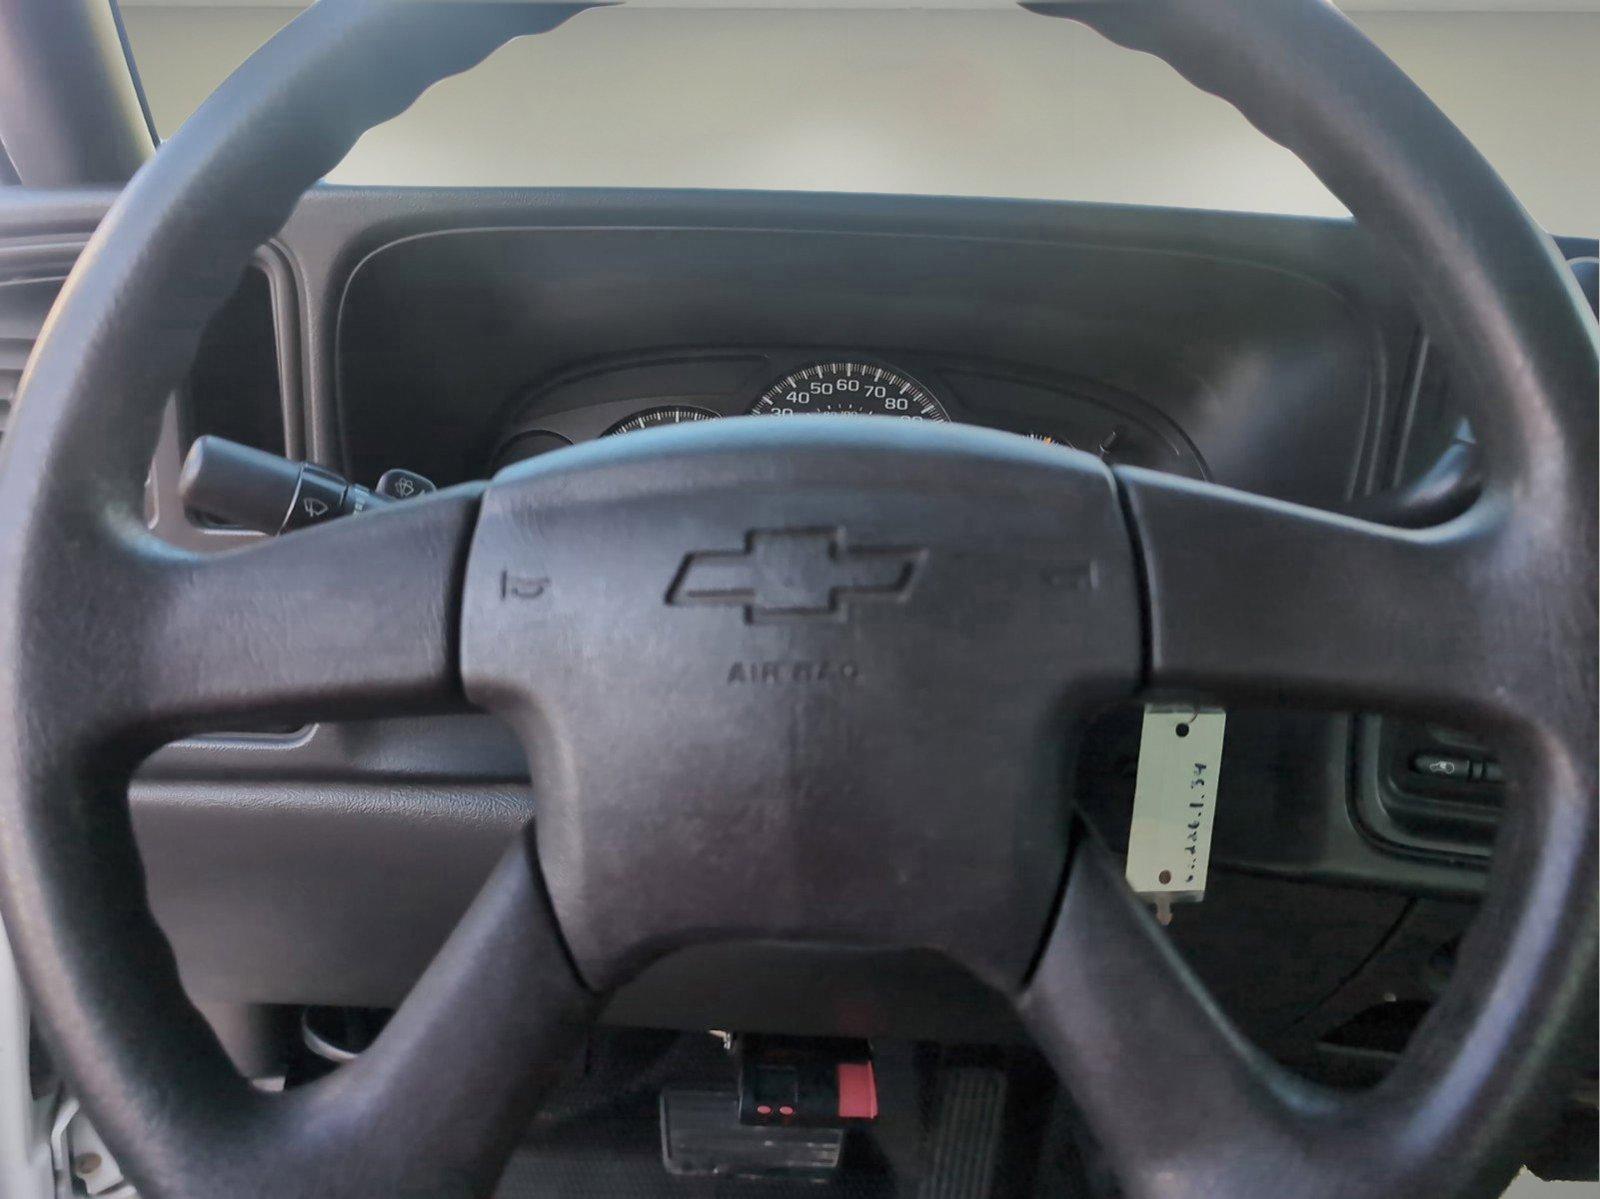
{"x":754,"y":602}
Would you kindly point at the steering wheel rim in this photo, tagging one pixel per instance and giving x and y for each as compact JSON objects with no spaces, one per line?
{"x":92,"y":685}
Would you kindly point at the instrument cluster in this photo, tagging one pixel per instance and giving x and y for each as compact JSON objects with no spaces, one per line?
{"x":630,"y":396}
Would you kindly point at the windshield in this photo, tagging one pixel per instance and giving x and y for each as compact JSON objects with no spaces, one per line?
{"x":960,"y":101}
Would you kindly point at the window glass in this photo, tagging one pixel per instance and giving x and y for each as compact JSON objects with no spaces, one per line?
{"x":963,"y":101}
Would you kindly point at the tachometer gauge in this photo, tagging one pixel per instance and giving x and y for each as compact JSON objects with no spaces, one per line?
{"x":655,"y":418}
{"x":862,"y":388}
{"x":1049,"y":439}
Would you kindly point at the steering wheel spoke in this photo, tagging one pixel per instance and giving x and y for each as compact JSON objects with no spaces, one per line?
{"x":1258,"y":600}
{"x":357,"y":617}
{"x":1186,"y":1107}
{"x":437,"y":1103}
{"x":432,"y":1108}
{"x":1156,"y":1068}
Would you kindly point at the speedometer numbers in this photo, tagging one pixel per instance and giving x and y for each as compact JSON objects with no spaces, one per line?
{"x":858,"y":388}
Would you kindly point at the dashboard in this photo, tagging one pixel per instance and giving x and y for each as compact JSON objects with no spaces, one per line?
{"x":1267,"y":354}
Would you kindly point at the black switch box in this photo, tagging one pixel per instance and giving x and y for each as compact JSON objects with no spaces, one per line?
{"x":805,"y":1082}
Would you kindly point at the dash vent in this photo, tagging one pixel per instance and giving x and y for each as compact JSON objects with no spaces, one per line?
{"x":13,"y":356}
{"x":24,"y":304}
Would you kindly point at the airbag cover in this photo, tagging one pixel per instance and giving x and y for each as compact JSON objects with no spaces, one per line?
{"x":805,"y":679}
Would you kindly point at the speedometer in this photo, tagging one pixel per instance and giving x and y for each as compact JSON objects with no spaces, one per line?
{"x":862,"y":388}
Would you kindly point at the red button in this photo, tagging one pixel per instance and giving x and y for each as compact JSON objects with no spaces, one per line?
{"x":858,"y":1091}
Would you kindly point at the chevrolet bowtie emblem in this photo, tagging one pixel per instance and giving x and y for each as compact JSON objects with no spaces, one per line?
{"x":790,"y":573}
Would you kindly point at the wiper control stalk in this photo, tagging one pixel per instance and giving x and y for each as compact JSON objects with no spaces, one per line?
{"x":256,"y":490}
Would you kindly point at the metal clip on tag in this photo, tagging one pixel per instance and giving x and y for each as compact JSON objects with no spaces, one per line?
{"x":1174,"y":805}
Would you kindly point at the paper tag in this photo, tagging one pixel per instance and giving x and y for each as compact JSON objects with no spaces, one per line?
{"x":1174,"y":805}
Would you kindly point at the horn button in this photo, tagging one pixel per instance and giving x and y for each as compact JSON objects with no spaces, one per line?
{"x":809,"y":681}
